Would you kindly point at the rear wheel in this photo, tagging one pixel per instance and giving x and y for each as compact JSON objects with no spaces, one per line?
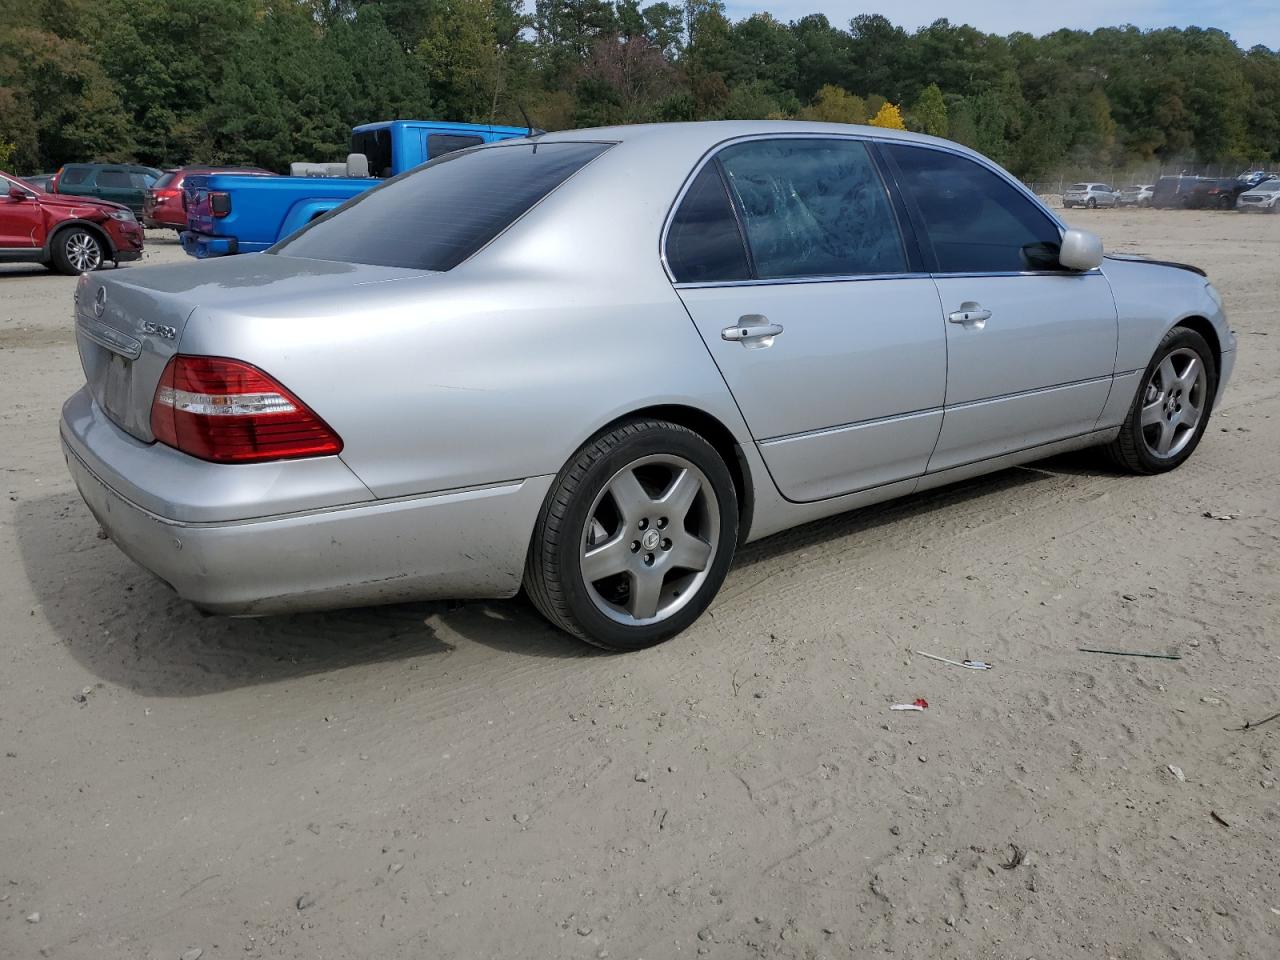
{"x":1171,"y":410}
{"x":635,"y":537}
{"x":1092,"y":203}
{"x":77,"y":250}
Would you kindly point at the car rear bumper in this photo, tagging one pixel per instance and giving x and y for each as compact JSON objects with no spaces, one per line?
{"x":202,"y":245}
{"x":454,"y":544}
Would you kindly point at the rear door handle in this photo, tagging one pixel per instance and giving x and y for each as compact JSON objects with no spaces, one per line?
{"x":971,"y":315}
{"x":752,"y":330}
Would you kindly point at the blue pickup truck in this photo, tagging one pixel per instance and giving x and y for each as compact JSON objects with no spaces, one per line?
{"x":233,"y":213}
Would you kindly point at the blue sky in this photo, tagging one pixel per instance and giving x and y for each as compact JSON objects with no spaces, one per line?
{"x":1249,"y":22}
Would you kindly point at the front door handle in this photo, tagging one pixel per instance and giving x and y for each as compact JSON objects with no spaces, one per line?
{"x":752,"y":330}
{"x":971,"y":314}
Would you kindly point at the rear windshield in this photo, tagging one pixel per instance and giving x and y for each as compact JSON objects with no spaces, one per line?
{"x":1078,"y":187}
{"x":439,"y":214}
{"x":165,"y":180}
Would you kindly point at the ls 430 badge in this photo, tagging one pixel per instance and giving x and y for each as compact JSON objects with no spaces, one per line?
{"x":160,"y":330}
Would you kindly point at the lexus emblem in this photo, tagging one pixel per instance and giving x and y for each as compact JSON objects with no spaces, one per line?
{"x":100,"y":301}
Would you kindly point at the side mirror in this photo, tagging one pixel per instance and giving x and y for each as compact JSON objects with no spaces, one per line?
{"x":17,"y":193}
{"x":1081,"y":250}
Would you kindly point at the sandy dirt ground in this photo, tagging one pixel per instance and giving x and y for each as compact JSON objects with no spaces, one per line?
{"x":459,"y":781}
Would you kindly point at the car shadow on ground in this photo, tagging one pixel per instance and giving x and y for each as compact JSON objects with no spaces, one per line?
{"x":129,"y":629}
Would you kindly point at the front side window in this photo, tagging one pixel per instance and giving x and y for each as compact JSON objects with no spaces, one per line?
{"x":438,"y":144}
{"x":813,"y":208}
{"x":704,"y":244}
{"x":439,"y":214}
{"x":975,"y":220}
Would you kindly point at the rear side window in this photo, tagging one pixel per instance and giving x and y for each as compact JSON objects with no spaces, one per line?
{"x":439,"y":214}
{"x":74,"y":175}
{"x":438,"y":144}
{"x":975,"y":220}
{"x":813,"y":208}
{"x":704,"y":244}
{"x":113,"y":178}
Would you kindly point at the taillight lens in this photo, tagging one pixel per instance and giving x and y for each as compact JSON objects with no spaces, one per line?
{"x":219,"y":203}
{"x":228,"y":411}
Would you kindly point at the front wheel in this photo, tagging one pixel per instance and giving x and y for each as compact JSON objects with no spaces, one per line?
{"x":77,"y":251}
{"x":1171,"y":410}
{"x":635,"y":537}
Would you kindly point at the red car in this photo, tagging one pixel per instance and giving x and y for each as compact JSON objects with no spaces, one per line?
{"x":163,"y":204}
{"x":69,"y":234}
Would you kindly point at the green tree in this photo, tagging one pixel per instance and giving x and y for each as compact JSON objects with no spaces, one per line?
{"x":835,"y":105}
{"x":929,"y":112}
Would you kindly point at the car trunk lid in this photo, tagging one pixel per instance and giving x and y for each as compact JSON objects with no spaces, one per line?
{"x":128,"y":326}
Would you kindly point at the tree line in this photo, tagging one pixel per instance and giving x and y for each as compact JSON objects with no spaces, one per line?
{"x":267,"y":82}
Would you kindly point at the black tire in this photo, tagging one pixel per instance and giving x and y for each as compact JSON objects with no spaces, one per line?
{"x":1092,"y":204}
{"x":553,"y":571}
{"x":1130,"y":450}
{"x":67,"y":249}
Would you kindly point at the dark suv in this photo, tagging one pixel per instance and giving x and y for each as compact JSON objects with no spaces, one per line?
{"x":123,"y":183}
{"x":70,"y":234}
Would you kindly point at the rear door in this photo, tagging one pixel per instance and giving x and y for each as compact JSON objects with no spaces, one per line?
{"x":1031,"y":347}
{"x":826,"y":332}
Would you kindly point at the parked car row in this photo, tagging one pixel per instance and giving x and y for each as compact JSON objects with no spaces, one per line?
{"x":1181,"y":192}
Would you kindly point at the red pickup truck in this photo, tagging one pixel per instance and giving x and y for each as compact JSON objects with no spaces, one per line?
{"x":69,"y":234}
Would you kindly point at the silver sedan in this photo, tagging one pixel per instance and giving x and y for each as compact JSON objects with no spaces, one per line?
{"x":592,"y":364}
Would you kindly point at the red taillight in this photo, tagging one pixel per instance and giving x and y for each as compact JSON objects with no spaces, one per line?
{"x":53,"y":183}
{"x":219,"y":203}
{"x":228,"y":411}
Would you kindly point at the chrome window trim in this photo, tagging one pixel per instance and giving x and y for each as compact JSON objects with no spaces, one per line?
{"x":769,"y":281}
{"x":974,"y":157}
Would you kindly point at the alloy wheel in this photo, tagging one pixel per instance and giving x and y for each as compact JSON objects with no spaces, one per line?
{"x":650,"y":539}
{"x":83,"y":251}
{"x":1173,"y":403}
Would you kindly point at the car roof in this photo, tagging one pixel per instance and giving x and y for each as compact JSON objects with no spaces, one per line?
{"x":711,"y":132}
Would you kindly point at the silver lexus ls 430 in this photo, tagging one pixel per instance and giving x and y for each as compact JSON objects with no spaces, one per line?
{"x":591,"y":364}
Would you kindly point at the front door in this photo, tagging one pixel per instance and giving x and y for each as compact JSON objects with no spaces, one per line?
{"x":829,"y":337}
{"x":1031,"y":347}
{"x":21,"y":219}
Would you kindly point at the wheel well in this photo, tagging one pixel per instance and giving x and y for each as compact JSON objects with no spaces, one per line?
{"x":108,"y":248}
{"x":724,"y":442}
{"x":1203,"y":327}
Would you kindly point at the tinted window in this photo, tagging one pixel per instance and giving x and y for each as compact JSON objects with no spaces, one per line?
{"x":704,"y":243}
{"x":113,"y":178}
{"x":376,"y":145}
{"x":437,"y":215}
{"x":438,"y":144}
{"x":975,"y":220}
{"x":813,"y":208}
{"x":73,"y":175}
{"x":165,"y":180}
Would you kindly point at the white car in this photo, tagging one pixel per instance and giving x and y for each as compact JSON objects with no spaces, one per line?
{"x":1264,"y":198}
{"x":1090,"y":195}
{"x":1138,"y":195}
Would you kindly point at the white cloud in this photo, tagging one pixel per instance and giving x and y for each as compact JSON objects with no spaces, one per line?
{"x":1249,"y":22}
